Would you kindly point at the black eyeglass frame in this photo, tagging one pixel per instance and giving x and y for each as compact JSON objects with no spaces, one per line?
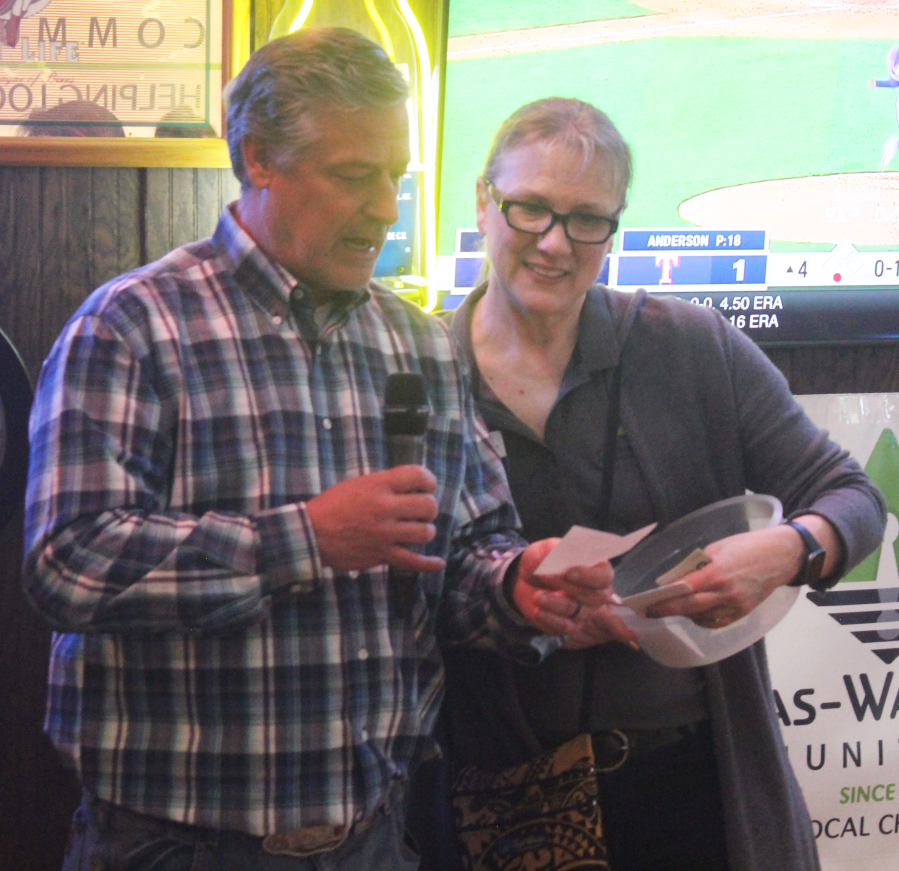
{"x":554,"y":217}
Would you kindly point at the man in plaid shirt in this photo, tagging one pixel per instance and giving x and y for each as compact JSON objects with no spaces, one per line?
{"x":211,"y":514}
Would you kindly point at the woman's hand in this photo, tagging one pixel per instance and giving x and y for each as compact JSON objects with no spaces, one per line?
{"x":599,"y":626}
{"x":744,"y":570}
{"x":573,"y":604}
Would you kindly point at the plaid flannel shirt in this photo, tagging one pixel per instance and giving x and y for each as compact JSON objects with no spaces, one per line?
{"x":206,"y":667}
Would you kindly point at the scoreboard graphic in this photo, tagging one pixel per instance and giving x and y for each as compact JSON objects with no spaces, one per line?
{"x":842,"y":295}
{"x":682,"y":259}
{"x":833,"y":296}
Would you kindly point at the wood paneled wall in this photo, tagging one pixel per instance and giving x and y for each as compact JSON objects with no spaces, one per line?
{"x":839,"y":369}
{"x":63,"y":232}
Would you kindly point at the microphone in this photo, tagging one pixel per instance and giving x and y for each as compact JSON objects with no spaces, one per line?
{"x":406,"y":413}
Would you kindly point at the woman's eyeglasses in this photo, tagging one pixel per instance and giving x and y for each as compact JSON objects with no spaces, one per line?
{"x":582,"y":227}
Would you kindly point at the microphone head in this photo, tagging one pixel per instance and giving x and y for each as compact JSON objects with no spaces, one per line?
{"x":405,"y":389}
{"x":406,"y":408}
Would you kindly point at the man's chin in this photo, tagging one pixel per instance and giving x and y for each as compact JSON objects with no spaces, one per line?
{"x":345,"y":280}
{"x":358,"y":279}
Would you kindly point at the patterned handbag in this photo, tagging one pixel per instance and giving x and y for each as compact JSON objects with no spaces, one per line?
{"x":542,"y":814}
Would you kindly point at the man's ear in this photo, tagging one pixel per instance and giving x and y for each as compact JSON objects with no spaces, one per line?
{"x":256,"y":162}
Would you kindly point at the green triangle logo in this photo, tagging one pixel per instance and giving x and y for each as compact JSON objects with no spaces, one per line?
{"x":883,"y":469}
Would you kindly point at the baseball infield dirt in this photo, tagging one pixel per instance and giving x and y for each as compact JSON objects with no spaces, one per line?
{"x":785,"y":19}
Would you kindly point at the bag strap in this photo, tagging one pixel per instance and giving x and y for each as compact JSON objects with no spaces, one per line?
{"x":612,"y":415}
{"x":608,"y":472}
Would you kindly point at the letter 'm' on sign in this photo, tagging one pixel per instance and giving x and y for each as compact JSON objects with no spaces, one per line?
{"x":103,"y":37}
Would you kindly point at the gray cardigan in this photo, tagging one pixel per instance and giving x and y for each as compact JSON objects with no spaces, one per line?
{"x":708,"y":417}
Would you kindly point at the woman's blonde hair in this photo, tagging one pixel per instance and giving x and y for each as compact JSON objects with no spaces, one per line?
{"x":564,"y":119}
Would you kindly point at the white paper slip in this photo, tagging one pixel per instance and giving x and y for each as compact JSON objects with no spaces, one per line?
{"x":639,"y":602}
{"x":696,"y":560}
{"x":587,"y":547}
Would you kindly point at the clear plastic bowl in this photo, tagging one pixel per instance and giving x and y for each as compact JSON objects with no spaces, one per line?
{"x":677,"y":641}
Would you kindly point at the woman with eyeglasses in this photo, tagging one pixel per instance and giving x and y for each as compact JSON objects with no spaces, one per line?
{"x":697,"y":777}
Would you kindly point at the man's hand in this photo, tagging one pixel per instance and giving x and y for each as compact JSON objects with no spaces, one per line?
{"x":573,"y":604}
{"x":374,"y":520}
{"x":744,"y":570}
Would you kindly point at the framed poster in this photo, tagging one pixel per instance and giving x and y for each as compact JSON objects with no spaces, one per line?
{"x":107,"y":82}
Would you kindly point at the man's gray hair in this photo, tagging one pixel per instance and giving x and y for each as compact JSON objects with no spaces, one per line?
{"x":563,"y":119}
{"x":275,"y":97}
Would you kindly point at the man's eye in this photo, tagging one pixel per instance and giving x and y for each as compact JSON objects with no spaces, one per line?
{"x":353,"y":175}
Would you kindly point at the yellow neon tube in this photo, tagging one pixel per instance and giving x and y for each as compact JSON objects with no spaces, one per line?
{"x":302,"y":15}
{"x":388,"y":45}
{"x":429,"y":153}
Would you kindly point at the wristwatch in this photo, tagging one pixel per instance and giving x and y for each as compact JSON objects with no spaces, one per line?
{"x":813,"y":565}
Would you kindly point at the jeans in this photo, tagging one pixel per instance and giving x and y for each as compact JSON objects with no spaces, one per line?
{"x":112,"y":838}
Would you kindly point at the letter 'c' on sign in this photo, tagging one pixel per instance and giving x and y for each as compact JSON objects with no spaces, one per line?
{"x":202,"y":35}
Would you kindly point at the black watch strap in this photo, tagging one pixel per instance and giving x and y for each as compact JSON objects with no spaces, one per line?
{"x":813,"y":564}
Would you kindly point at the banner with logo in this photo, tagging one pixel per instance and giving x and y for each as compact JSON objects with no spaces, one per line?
{"x":833,"y":660}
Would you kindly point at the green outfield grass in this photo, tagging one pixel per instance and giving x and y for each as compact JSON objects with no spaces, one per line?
{"x":700,"y":114}
{"x":487,"y":16}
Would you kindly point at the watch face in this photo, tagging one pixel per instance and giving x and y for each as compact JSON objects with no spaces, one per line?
{"x":815,"y":568}
{"x":15,"y":404}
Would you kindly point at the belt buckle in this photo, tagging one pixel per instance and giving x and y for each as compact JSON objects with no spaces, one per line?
{"x":624,"y":749}
{"x":312,"y":840}
{"x":306,"y":842}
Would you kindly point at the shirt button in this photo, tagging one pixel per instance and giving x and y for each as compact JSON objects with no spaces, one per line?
{"x":277,"y":320}
{"x":363,"y":653}
{"x":364,"y":734}
{"x":326,"y":423}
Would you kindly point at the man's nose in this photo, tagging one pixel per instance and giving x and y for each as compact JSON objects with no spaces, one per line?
{"x":382,"y":203}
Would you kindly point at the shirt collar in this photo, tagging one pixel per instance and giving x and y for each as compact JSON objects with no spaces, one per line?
{"x":265,"y":277}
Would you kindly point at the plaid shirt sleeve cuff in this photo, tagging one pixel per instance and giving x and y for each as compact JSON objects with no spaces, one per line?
{"x":505,"y":594}
{"x":288,"y":549}
{"x":521,"y":640}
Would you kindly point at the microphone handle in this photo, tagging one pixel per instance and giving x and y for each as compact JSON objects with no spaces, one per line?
{"x":406,"y":449}
{"x":403,"y":585}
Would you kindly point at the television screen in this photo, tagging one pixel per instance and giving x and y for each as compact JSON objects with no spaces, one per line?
{"x":765,"y":139}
